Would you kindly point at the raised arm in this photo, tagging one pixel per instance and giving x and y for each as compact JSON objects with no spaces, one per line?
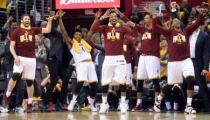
{"x":65,"y":35}
{"x":122,"y":16}
{"x":97,"y":16}
{"x":159,"y":29}
{"x":191,"y":28}
{"x":48,"y":28}
{"x":96,"y":26}
{"x":174,"y":10}
{"x":7,"y":24}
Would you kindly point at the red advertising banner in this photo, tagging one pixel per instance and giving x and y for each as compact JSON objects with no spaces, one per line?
{"x":84,"y":4}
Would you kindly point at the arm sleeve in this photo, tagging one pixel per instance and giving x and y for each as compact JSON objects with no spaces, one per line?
{"x":97,"y":27}
{"x":125,"y":18}
{"x":189,"y":29}
{"x":159,"y":29}
{"x":37,"y":30}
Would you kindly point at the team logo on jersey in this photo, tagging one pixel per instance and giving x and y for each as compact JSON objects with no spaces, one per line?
{"x":179,"y":39}
{"x":146,"y":36}
{"x":26,"y":37}
{"x":113,"y":35}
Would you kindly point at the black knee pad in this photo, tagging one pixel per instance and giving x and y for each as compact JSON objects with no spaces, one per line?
{"x":156,"y":85}
{"x":140,"y":86}
{"x":93,"y":89}
{"x":166,"y":89}
{"x":176,"y":88}
{"x":122,"y":88}
{"x":105,"y":89}
{"x":15,"y":76}
{"x":78,"y":87}
{"x":189,"y":82}
{"x":29,"y":83}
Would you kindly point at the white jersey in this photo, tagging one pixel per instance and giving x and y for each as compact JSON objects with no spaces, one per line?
{"x":83,"y":55}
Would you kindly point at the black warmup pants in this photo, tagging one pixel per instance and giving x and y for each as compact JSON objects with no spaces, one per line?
{"x":57,"y":71}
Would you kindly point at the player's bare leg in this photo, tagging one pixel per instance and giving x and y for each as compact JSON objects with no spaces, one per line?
{"x":190,"y":87}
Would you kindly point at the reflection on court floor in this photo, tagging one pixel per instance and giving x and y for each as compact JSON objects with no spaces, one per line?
{"x":108,"y":116}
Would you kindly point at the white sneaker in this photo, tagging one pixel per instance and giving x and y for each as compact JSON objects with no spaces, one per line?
{"x":157,"y":105}
{"x":4,"y":110}
{"x":189,"y":110}
{"x":123,"y":107}
{"x":20,"y":110}
{"x":71,"y":105}
{"x":93,"y":108}
{"x":156,"y":108}
{"x":104,"y":108}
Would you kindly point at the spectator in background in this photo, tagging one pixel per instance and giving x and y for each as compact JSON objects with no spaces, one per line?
{"x":136,"y":16}
{"x":185,"y":10}
{"x":9,"y":26}
{"x":41,"y":57}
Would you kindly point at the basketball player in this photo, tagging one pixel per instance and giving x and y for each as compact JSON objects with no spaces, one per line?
{"x":149,"y":60}
{"x":114,"y":65}
{"x":22,"y":48}
{"x":81,"y":50}
{"x":179,"y":64}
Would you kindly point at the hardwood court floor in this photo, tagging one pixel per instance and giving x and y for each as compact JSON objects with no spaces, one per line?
{"x":109,"y":116}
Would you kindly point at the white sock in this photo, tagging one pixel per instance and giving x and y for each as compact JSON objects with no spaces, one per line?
{"x":74,"y":98}
{"x":159,"y":97}
{"x":104,"y":99}
{"x":8,"y":93}
{"x":139,"y":101}
{"x":189,"y":101}
{"x":175,"y":106}
{"x":123,"y":99}
{"x":30,"y":100}
{"x":168,"y":105}
{"x":91,"y":100}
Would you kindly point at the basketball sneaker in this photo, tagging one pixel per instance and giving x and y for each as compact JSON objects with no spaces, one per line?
{"x":104,"y":108}
{"x":123,"y":107}
{"x":189,"y":110}
{"x":71,"y":105}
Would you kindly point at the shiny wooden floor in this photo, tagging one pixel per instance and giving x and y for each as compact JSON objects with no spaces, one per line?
{"x":108,"y":116}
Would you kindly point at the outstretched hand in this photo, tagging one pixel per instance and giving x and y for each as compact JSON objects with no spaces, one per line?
{"x":98,"y":13}
{"x":10,"y":19}
{"x":202,"y":11}
{"x":118,"y":12}
{"x":173,"y":5}
{"x":60,"y":13}
{"x":106,"y":14}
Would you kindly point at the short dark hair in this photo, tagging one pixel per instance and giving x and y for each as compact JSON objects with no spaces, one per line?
{"x":77,"y":30}
{"x":24,"y":16}
{"x":146,"y":13}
